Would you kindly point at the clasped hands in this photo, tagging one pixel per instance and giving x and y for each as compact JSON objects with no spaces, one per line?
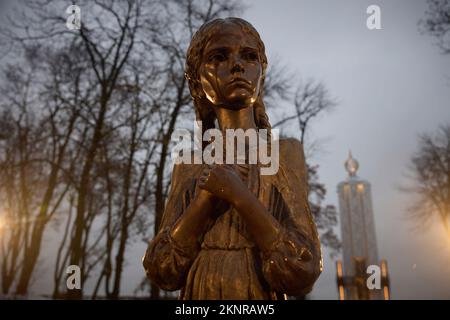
{"x":223,"y":182}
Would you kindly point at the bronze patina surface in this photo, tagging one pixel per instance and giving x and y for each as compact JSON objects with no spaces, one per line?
{"x":229,"y":232}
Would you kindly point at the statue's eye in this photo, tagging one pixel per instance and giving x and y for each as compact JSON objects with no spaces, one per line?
{"x":217,"y":57}
{"x":250,"y":56}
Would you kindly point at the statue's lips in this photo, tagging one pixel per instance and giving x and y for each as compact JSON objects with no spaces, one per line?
{"x":240,"y":82}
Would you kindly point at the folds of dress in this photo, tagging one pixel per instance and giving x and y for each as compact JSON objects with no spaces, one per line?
{"x":227,"y":264}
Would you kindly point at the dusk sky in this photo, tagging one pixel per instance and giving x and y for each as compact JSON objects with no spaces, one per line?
{"x":391,"y":85}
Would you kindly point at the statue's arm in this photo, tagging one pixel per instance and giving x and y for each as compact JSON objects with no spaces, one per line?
{"x":174,"y":248}
{"x":294,"y":261}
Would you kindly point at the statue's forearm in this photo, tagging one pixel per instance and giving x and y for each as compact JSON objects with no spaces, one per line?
{"x":191,"y":225}
{"x":263,"y":227}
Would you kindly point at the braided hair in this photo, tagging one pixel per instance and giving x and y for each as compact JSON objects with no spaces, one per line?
{"x":203,"y":107}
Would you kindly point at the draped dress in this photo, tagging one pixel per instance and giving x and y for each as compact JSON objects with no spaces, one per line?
{"x":227,"y":263}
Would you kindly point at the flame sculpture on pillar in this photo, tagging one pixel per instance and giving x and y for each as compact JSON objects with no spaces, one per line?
{"x":358,"y":241}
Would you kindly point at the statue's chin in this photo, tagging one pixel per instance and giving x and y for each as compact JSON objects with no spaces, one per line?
{"x":239,"y":101}
{"x":236,"y":105}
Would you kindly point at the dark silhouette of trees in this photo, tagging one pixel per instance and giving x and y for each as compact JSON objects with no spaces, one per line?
{"x":429,"y":171}
{"x":35,"y":159}
{"x":437,"y":23}
{"x":112,"y":115}
{"x":429,"y":168}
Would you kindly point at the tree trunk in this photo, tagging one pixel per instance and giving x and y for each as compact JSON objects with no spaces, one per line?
{"x":84,"y":188}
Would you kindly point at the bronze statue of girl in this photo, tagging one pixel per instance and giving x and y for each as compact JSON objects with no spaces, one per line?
{"x":228,"y":232}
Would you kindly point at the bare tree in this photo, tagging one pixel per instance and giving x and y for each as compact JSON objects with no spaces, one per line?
{"x":126,"y":171}
{"x":35,"y":153}
{"x":437,"y":23}
{"x":108,"y":41}
{"x":429,"y":171}
{"x":311,"y":99}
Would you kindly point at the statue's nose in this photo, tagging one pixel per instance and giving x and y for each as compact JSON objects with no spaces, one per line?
{"x":237,"y":66}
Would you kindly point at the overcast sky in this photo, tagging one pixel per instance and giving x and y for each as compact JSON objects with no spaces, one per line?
{"x":391,"y":84}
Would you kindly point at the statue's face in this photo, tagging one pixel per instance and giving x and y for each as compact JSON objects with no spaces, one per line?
{"x":231,"y":71}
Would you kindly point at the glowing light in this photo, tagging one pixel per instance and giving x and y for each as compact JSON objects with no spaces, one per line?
{"x":386,"y":293}
{"x":340,"y":278}
{"x":384,"y":274}
{"x":341,"y":293}
{"x":346,"y":188}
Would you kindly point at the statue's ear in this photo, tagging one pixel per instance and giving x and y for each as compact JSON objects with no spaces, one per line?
{"x":198,"y":89}
{"x":195,"y":87}
{"x":261,"y":88}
